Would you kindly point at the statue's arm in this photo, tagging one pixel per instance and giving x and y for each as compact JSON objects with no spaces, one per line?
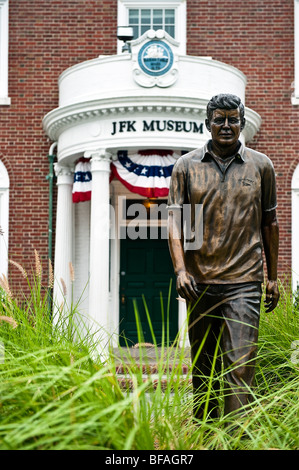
{"x":270,"y":234}
{"x":186,"y":285}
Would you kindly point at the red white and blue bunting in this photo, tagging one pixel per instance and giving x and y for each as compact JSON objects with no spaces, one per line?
{"x":146,"y":173}
{"x":82,"y":181}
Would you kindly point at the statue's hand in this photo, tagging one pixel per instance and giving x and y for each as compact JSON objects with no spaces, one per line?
{"x":272,"y":295}
{"x":186,"y":286}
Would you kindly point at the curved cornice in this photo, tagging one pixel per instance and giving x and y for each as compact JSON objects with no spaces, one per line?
{"x":61,"y":118}
{"x":253,"y":124}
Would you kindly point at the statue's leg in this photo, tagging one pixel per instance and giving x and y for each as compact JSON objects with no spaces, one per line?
{"x":241,"y":313}
{"x":203,"y":334}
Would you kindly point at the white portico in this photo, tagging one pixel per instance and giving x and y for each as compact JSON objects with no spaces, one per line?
{"x":151,"y":98}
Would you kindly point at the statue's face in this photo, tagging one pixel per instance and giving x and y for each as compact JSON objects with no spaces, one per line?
{"x":225,"y":127}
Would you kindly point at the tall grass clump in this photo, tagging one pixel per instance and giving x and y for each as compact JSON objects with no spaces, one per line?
{"x":55,"y":393}
{"x":61,"y":388}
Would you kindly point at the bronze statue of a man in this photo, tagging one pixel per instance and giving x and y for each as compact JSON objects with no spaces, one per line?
{"x":221,"y":279}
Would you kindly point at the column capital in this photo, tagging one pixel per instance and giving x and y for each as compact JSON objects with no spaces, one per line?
{"x":63,"y":170}
{"x":98,"y":154}
{"x":100,"y":159}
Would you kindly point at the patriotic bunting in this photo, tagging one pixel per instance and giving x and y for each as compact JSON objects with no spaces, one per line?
{"x":82,"y":181}
{"x":146,"y":173}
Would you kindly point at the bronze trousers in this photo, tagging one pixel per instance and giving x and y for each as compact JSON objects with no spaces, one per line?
{"x":225,"y":317}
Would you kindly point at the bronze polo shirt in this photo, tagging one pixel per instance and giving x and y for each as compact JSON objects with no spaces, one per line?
{"x":234,"y":199}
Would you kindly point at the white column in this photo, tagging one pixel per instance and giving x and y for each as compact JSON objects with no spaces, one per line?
{"x":183,"y":324}
{"x":63,"y":241}
{"x":99,"y":246}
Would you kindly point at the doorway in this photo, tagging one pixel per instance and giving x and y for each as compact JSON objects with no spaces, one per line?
{"x":147,"y":282}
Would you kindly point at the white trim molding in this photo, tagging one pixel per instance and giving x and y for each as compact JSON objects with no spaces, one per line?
{"x":295,"y":229}
{"x":4,"y":218}
{"x":4,"y":99}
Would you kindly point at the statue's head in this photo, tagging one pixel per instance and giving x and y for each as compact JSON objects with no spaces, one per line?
{"x":225,"y":118}
{"x":225,"y":101}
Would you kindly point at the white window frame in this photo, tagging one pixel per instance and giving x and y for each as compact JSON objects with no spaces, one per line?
{"x":295,"y":229}
{"x":295,"y":91}
{"x":4,"y":99}
{"x":4,"y":218}
{"x":180,"y":17}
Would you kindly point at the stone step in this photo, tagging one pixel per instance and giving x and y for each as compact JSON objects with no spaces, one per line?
{"x":128,"y":383}
{"x":150,"y":353}
{"x":153,"y":366}
{"x":151,"y":369}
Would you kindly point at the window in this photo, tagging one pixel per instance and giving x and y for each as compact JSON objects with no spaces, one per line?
{"x":142,"y":19}
{"x":143,"y":15}
{"x":4,"y":100}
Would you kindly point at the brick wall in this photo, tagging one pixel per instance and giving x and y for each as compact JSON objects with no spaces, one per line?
{"x":47,"y":37}
{"x":44,"y":39}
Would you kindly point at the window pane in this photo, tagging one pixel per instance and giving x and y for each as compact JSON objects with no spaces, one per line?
{"x":158,"y":17}
{"x":144,"y":29}
{"x":133,"y":17}
{"x":169,"y":17}
{"x":146,"y":17}
{"x":170,"y":30}
{"x":135,"y":31}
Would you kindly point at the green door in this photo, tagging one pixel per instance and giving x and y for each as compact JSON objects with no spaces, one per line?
{"x":146,"y":270}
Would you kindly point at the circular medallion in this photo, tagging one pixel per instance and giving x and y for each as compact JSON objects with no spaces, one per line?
{"x":155,"y":58}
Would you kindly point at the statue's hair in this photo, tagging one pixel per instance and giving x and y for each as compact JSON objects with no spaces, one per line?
{"x":225,"y":101}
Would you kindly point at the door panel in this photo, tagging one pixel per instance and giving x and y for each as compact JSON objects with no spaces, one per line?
{"x":136,"y":260}
{"x":146,"y":270}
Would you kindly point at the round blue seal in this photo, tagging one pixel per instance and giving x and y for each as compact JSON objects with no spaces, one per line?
{"x":155,"y":58}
